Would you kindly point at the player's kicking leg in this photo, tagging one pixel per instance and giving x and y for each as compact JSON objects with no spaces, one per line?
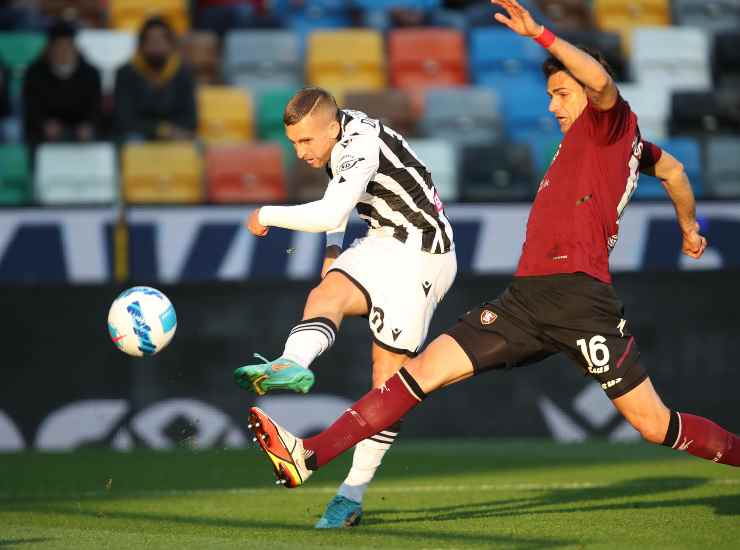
{"x":442,"y":363}
{"x":699,"y":436}
{"x":327,"y":304}
{"x":345,"y":508}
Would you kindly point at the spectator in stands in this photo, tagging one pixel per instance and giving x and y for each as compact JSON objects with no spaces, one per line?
{"x":61,"y":92}
{"x":155,"y":92}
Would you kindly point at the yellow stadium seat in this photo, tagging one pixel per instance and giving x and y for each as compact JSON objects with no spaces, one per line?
{"x":129,"y":15}
{"x":225,"y":114}
{"x":346,"y":60}
{"x":622,"y":16}
{"x":168,"y":172}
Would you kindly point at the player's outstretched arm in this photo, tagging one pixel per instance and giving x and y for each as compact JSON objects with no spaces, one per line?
{"x":676,"y":183}
{"x":584,"y":68}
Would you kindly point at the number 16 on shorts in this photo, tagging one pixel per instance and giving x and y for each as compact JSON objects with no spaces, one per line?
{"x":596,"y":354}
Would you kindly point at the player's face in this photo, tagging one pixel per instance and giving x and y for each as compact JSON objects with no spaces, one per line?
{"x":314,"y":137}
{"x":567,"y":99}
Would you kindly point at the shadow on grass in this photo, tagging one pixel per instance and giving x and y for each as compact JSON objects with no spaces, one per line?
{"x":411,"y":535}
{"x":575,"y":500}
{"x":10,"y":543}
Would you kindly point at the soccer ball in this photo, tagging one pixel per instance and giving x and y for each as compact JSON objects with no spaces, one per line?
{"x":141,"y":321}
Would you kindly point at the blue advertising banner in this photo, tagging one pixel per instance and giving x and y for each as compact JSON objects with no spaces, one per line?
{"x":209,"y":243}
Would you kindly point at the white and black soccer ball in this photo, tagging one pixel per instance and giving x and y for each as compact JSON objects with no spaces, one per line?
{"x":141,"y":321}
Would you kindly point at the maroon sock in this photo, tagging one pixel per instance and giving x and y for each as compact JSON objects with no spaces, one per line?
{"x":376,"y":411}
{"x":703,"y":438}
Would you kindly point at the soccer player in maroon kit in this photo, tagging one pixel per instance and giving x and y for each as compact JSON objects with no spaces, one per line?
{"x":561,"y":298}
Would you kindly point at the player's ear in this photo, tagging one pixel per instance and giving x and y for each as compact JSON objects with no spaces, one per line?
{"x":333,"y":129}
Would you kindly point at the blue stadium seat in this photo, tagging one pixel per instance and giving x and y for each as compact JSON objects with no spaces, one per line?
{"x":498,"y":50}
{"x":463,"y":116}
{"x":524,"y":101}
{"x":714,"y":16}
{"x":688,"y":152}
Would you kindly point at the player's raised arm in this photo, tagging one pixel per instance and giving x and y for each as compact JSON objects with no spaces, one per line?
{"x":676,"y":183}
{"x":599,"y":85}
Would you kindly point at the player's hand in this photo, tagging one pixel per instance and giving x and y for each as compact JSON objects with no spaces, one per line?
{"x":326,"y":266}
{"x":694,"y":243}
{"x":254,"y":225}
{"x":331,"y":254}
{"x":519,"y":19}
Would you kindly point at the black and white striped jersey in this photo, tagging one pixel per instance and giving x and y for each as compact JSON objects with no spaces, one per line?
{"x":399,"y":197}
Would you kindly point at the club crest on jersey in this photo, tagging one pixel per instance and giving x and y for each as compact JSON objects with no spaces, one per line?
{"x":347,"y":162}
{"x":487,"y":317}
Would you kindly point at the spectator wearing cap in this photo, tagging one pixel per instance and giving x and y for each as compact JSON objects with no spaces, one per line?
{"x":155,"y":92}
{"x":61,"y":92}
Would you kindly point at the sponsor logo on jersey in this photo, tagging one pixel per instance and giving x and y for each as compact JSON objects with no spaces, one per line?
{"x":487,"y":317}
{"x":544,"y":183}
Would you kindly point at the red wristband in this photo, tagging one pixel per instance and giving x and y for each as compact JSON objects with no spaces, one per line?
{"x":545,"y":38}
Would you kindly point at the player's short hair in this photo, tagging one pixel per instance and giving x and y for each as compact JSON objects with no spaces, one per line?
{"x":306,"y":101}
{"x":552,"y":64}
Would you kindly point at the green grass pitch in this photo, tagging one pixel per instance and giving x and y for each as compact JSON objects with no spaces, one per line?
{"x":443,"y":494}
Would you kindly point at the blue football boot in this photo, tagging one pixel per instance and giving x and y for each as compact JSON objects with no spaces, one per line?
{"x":340,"y":512}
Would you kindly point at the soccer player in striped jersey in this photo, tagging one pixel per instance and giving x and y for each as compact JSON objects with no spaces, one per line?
{"x":395,"y":276}
{"x":561,"y":299}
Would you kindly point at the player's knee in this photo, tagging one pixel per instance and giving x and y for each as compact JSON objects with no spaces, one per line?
{"x":650,"y":428}
{"x":383,"y":370}
{"x":327,"y":295}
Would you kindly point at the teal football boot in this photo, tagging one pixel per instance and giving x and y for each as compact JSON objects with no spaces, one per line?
{"x":340,"y":512}
{"x":280,"y":374}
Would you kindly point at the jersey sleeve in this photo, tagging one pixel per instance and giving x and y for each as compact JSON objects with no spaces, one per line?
{"x":608,"y":126}
{"x":353,"y":163}
{"x":651,"y":154}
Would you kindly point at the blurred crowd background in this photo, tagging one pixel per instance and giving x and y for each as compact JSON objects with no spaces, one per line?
{"x":180,"y":101}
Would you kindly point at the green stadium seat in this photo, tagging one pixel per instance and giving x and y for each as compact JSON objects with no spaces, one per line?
{"x":18,"y":50}
{"x":270,"y":106}
{"x":15,"y":175}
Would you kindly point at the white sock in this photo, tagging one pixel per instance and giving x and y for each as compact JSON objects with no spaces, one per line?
{"x":309,"y":339}
{"x":365,"y":462}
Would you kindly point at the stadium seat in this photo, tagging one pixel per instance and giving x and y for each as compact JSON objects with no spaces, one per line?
{"x":500,"y":172}
{"x":260,"y":60}
{"x":347,"y":60}
{"x":710,"y":15}
{"x":107,"y":50}
{"x":524,"y":102}
{"x":76,"y":173}
{"x":15,"y":175}
{"x":462,"y":116}
{"x":423,"y":58}
{"x":225,"y":113}
{"x":392,"y":107}
{"x":652,"y":106}
{"x":306,"y":183}
{"x":440,"y":158}
{"x":129,"y":15}
{"x":270,"y":107}
{"x":726,"y":63}
{"x":168,"y":172}
{"x":723,"y":167}
{"x":671,"y":57}
{"x":708,"y":113}
{"x":568,"y":15}
{"x":623,"y":16}
{"x":543,"y":146}
{"x":688,"y":152}
{"x":608,"y":43}
{"x":201,"y":50}
{"x":245,"y":173}
{"x":17,"y":51}
{"x":496,"y":50}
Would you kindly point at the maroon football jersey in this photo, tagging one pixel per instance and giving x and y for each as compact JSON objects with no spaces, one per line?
{"x":574,"y":221}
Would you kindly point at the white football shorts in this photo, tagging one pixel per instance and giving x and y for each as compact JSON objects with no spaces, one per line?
{"x":402,"y":286}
